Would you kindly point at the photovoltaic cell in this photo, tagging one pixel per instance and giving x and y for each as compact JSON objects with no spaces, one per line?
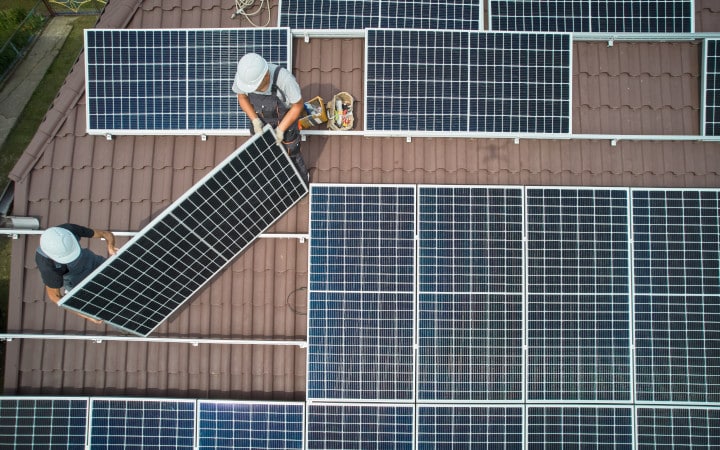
{"x":161,"y":424}
{"x":369,"y":427}
{"x":171,"y":80}
{"x":197,"y":236}
{"x":361,"y":292}
{"x":580,"y":427}
{"x":43,"y":423}
{"x":676,"y":235}
{"x":474,"y":82}
{"x":695,"y":428}
{"x":604,"y":16}
{"x":250,"y":425}
{"x":712,"y":88}
{"x":458,"y":426}
{"x":470,"y":300}
{"x":432,"y":14}
{"x":578,"y":294}
{"x":330,"y":14}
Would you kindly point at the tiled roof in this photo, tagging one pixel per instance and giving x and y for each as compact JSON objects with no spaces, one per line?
{"x":66,"y":175}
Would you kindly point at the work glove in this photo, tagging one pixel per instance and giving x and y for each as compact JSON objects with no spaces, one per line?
{"x":257,"y":125}
{"x":280,"y":134}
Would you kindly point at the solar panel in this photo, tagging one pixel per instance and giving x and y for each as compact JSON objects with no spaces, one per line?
{"x":250,"y":425}
{"x":171,"y":80}
{"x":330,"y":14}
{"x":59,"y":423}
{"x":711,"y":116}
{"x":342,"y":426}
{"x":139,"y":423}
{"x":580,"y":427}
{"x":604,"y":16}
{"x":457,"y":426}
{"x":360,"y":317}
{"x":695,"y":428}
{"x":173,"y":257}
{"x":578,"y":294}
{"x":470,"y":299}
{"x":432,"y":14}
{"x":676,"y":235}
{"x":462,"y":81}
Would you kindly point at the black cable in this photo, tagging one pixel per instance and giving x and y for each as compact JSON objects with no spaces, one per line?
{"x":292,"y":308}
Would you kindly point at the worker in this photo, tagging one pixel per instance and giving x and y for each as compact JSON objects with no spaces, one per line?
{"x":63,"y":264}
{"x":270,"y":94}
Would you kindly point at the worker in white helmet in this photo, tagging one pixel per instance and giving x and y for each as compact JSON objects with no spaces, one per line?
{"x":270,"y":94}
{"x":63,"y":263}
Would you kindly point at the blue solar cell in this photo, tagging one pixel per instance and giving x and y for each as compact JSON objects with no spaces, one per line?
{"x":578,"y":294}
{"x":369,"y":427}
{"x":120,"y":424}
{"x":171,"y":80}
{"x":475,"y":427}
{"x":245,"y":425}
{"x":676,"y":236}
{"x":695,"y":428}
{"x":712,"y":87}
{"x":43,"y":423}
{"x":580,"y":427}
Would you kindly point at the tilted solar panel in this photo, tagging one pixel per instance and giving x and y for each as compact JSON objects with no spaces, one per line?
{"x":578,"y":282}
{"x":472,"y":82}
{"x":469,"y":426}
{"x":676,"y":235}
{"x":171,"y":81}
{"x":678,"y":427}
{"x":250,"y":425}
{"x":30,"y":422}
{"x":354,"y":426}
{"x":600,"y":16}
{"x":361,"y":311}
{"x":175,"y":255}
{"x":139,"y":423}
{"x":711,"y":94}
{"x":470,"y":299}
{"x":579,"y":427}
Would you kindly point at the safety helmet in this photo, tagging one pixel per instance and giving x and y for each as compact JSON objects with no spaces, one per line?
{"x":251,"y":70}
{"x":60,"y":245}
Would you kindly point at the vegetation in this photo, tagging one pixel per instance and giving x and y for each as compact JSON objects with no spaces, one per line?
{"x":18,"y":29}
{"x":23,"y":132}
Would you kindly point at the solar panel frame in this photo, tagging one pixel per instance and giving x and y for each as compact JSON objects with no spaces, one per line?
{"x":361,"y":292}
{"x":469,"y":82}
{"x":711,"y":88}
{"x":119,"y":423}
{"x":379,"y":426}
{"x":470,"y":298}
{"x":678,"y":427}
{"x":578,"y":294}
{"x":150,"y":277}
{"x":593,"y":16}
{"x":44,"y":422}
{"x":250,"y":424}
{"x":676,"y":260}
{"x":172,"y":81}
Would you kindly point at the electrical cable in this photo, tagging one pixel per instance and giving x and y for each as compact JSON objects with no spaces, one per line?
{"x":291,"y":307}
{"x":242,"y":5}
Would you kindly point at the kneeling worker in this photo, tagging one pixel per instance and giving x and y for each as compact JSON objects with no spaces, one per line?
{"x":270,"y":94}
{"x":63,"y":264}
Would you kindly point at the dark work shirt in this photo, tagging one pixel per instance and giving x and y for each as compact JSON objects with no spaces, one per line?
{"x":52,"y":272}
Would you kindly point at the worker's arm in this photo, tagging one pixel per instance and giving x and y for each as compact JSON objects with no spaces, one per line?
{"x":109,"y":238}
{"x":292,"y":115}
{"x":55,"y":294}
{"x":247,"y":106}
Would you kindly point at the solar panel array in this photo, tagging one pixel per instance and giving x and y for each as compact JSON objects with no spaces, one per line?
{"x":58,"y":423}
{"x":598,"y":16}
{"x":711,"y":100}
{"x":545,"y":316}
{"x":472,"y":82}
{"x":171,"y":80}
{"x":197,"y":236}
{"x":355,"y":15}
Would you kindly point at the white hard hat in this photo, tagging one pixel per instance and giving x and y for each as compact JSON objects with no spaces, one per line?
{"x":251,"y":70}
{"x":60,"y":245}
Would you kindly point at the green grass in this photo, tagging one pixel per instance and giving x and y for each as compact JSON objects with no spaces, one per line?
{"x":23,"y":132}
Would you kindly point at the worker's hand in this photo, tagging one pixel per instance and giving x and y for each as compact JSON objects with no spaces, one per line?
{"x":257,"y":125}
{"x":280,"y":135}
{"x":112,"y":249}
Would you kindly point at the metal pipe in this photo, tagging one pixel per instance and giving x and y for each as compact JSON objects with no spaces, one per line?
{"x":8,"y":337}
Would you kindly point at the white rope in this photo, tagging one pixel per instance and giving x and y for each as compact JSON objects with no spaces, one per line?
{"x":242,"y":7}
